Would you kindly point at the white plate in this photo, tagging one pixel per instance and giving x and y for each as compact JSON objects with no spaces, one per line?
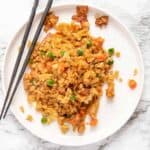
{"x":112,"y":115}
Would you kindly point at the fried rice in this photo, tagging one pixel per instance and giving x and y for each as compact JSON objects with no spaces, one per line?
{"x":67,"y":72}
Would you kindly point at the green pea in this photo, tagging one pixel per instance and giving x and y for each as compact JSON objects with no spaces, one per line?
{"x":73,"y":97}
{"x":80,"y":52}
{"x":44,"y":120}
{"x":89,"y":44}
{"x":62,"y":53}
{"x":51,"y":55}
{"x":110,"y":62}
{"x":111,"y":51}
{"x":50,"y":82}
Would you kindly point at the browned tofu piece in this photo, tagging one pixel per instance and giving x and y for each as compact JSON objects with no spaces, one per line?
{"x":50,"y":22}
{"x":81,"y":14}
{"x":101,"y":21}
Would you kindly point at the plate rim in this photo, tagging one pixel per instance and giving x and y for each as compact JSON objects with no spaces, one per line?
{"x":57,"y":6}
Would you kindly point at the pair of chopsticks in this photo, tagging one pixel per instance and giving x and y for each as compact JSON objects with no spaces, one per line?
{"x":11,"y":92}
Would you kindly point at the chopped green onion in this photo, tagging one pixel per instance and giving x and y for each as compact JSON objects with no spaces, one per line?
{"x":32,"y":81}
{"x":44,"y":120}
{"x":51,"y":55}
{"x":50,"y":82}
{"x":62,"y":53}
{"x":73,"y":97}
{"x":89,"y":44}
{"x":110,"y":62}
{"x":43,"y":53}
{"x":98,"y":75}
{"x":31,"y":61}
{"x":80,"y":52}
{"x":111,"y":51}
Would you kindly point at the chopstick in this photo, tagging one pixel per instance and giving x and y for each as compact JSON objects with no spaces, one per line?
{"x":17,"y":63}
{"x":48,"y":6}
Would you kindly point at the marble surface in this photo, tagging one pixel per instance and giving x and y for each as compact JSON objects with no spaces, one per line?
{"x":135,"y":135}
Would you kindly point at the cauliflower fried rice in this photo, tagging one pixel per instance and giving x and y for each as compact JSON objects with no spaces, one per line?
{"x":67,"y":71}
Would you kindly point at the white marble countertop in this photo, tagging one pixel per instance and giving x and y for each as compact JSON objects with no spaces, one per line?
{"x":135,"y":135}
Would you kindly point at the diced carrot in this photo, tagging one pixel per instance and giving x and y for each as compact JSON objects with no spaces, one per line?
{"x":132,"y":84}
{"x":62,"y":67}
{"x":81,"y":128}
{"x":77,"y":117}
{"x":82,"y":112}
{"x":75,"y":120}
{"x":102,"y":57}
{"x":49,"y":66}
{"x":93,"y":122}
